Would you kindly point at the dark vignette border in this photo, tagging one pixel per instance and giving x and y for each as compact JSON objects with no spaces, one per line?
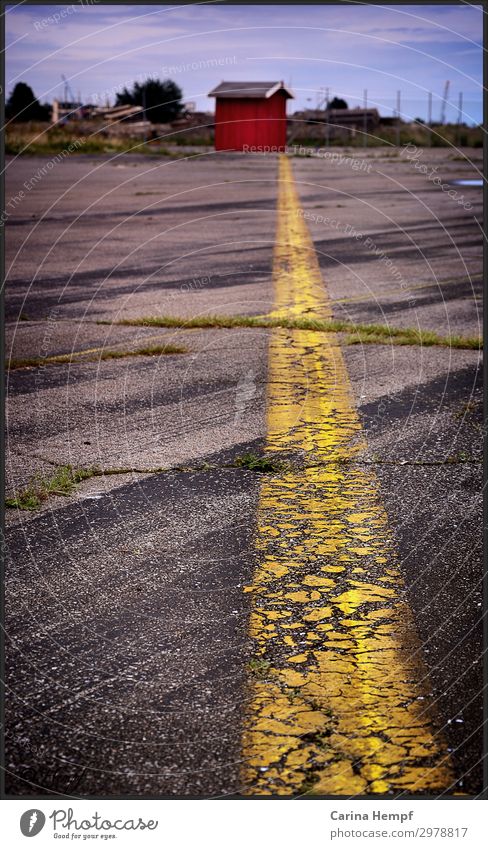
{"x":484,"y":4}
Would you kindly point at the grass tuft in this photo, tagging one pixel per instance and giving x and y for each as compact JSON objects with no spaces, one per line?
{"x":468,"y":408}
{"x":107,"y":354}
{"x":259,"y":667}
{"x":254,"y":463}
{"x":372,"y":334}
{"x":147,"y":351}
{"x":40,"y":487}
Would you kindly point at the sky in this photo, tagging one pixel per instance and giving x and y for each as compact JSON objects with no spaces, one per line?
{"x":102,"y":48}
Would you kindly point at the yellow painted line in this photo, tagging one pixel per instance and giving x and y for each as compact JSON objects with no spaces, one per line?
{"x":338,"y":690}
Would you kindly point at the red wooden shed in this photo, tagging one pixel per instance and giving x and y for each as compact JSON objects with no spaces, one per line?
{"x":250,"y":115}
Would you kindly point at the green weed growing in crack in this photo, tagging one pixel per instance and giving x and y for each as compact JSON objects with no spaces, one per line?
{"x":467,"y":408}
{"x":259,"y":667}
{"x":376,"y":334}
{"x":40,"y":487}
{"x":293,"y":693}
{"x":106,"y":354}
{"x":460,"y":457}
{"x":255,"y":463}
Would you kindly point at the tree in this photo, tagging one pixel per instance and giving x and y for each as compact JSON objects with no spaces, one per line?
{"x":161,"y":100}
{"x":338,"y":103}
{"x":22,"y":105}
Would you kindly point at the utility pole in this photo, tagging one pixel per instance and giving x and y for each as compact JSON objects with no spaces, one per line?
{"x":327,"y":117}
{"x":429,"y":120}
{"x":444,"y":102}
{"x":398,"y":119}
{"x":365,"y":119}
{"x":144,"y":110}
{"x":460,"y":115}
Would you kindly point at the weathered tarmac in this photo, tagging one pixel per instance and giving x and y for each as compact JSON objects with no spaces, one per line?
{"x":127,"y":624}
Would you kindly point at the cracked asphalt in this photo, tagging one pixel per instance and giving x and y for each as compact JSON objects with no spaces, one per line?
{"x":129,"y":654}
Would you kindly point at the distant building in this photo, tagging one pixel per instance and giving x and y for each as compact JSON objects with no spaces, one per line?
{"x":125,"y":112}
{"x":250,"y":115}
{"x":194,"y":119}
{"x":63,"y":111}
{"x":341,"y":122}
{"x":357,"y":118}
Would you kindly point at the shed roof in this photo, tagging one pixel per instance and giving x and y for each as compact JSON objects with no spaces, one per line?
{"x":249,"y":90}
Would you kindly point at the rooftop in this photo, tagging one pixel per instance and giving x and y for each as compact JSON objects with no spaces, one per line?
{"x":249,"y":89}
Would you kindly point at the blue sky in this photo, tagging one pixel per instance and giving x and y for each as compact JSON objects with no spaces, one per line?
{"x":384,"y":49}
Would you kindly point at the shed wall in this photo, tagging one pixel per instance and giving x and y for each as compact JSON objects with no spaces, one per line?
{"x":253,"y":122}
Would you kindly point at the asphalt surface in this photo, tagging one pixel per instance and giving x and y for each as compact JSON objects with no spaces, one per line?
{"x":126,"y":618}
{"x":135,"y":685}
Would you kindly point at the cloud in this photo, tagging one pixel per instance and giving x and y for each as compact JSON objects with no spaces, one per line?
{"x":344,"y":47}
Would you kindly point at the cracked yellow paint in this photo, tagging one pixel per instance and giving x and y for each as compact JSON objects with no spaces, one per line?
{"x":343,"y":709}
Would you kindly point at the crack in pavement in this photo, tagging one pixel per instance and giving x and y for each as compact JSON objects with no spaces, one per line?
{"x":100,"y":472}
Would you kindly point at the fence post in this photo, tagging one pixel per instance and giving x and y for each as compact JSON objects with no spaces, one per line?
{"x":398,"y":119}
{"x":365,"y":119}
